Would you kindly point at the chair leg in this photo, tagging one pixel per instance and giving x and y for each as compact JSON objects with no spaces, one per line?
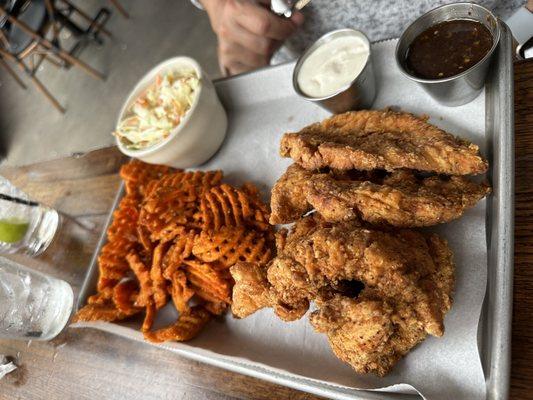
{"x":52,"y":61}
{"x":87,"y":18}
{"x":51,"y":14}
{"x":35,"y":81}
{"x":47,"y":94}
{"x":13,"y":74}
{"x":120,"y":8}
{"x":56,"y":50}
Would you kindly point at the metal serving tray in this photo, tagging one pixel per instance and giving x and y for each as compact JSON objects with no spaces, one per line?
{"x":494,"y":332}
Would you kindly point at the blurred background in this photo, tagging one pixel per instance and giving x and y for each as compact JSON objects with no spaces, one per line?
{"x":32,"y":129}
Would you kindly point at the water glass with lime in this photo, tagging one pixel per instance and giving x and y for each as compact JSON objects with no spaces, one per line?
{"x":25,"y":226}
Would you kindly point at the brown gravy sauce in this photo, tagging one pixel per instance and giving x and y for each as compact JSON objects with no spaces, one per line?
{"x":448,"y":48}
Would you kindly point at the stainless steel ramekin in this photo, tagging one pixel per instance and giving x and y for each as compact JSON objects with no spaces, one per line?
{"x":358,"y":94}
{"x":464,"y":87}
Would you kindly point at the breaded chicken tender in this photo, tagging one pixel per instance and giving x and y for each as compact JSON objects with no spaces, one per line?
{"x":400,"y":199}
{"x":368,"y":139}
{"x":378,"y":292}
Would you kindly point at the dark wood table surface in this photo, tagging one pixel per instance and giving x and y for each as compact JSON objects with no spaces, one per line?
{"x":88,"y":364}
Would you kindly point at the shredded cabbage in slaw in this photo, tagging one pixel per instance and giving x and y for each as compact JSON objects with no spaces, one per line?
{"x":159,"y":110}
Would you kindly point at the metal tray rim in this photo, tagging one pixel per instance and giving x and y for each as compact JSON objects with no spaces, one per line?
{"x":500,"y":257}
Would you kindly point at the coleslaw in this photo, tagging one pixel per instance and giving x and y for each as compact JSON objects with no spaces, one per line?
{"x":152,"y":117}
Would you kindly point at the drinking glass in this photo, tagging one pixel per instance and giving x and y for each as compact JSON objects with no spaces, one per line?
{"x":25,"y":226}
{"x":33,"y":306}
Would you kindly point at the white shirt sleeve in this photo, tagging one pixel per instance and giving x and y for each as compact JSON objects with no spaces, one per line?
{"x":521,"y":24}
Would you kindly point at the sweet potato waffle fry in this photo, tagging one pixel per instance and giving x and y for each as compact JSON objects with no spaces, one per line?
{"x":231,"y":244}
{"x":174,"y":236}
{"x":137,"y":176}
{"x":225,"y":205}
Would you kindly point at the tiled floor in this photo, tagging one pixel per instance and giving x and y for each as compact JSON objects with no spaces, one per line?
{"x":32,"y":130}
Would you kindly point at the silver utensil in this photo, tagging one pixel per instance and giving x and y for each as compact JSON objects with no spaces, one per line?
{"x":466,"y":86}
{"x":286,"y":7}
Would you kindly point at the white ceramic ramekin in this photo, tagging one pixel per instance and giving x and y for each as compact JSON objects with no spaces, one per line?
{"x":200,"y":132}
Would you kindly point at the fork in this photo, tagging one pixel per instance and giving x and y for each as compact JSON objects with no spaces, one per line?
{"x":286,"y":7}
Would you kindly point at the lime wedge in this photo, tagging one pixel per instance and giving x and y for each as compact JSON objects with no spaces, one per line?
{"x":12,"y":230}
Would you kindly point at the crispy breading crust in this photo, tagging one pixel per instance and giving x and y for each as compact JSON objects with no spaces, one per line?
{"x":368,"y":140}
{"x":400,"y":200}
{"x":288,"y":200}
{"x":407,"y":276}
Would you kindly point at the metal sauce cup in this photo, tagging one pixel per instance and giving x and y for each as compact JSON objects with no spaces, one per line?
{"x":464,"y":87}
{"x":359,"y":93}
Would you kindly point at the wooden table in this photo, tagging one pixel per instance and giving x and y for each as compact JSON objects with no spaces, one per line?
{"x":87,"y":364}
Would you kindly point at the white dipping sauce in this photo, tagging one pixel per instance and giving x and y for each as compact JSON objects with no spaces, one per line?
{"x":333,"y":65}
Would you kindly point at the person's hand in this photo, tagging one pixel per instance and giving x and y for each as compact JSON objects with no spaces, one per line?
{"x":248,"y":33}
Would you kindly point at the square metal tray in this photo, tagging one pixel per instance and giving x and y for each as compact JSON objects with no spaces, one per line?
{"x":494,"y":332}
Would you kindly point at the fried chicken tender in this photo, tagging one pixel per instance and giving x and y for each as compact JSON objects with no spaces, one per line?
{"x":403,"y":281}
{"x":288,"y":200}
{"x":373,"y":331}
{"x":389,"y":140}
{"x":251,"y":291}
{"x":359,"y":330}
{"x":400,"y":200}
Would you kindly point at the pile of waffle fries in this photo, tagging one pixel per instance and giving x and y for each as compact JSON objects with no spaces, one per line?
{"x":174,"y":236}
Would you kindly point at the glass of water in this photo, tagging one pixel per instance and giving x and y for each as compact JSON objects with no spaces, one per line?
{"x":33,"y":306}
{"x":25,"y":226}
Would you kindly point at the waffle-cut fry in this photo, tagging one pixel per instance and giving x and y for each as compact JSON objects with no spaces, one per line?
{"x":174,"y":235}
{"x":188,"y":325}
{"x":113,"y":253}
{"x":180,"y":250}
{"x":164,"y":198}
{"x":229,"y":245}
{"x":148,"y":317}
{"x":104,"y":284}
{"x":205,"y":294}
{"x":180,"y":186}
{"x":168,"y":233}
{"x":124,"y":296}
{"x":144,"y":239}
{"x":208,"y":281}
{"x":226,"y":206}
{"x":163,"y":223}
{"x":114,"y":257}
{"x":137,"y":175}
{"x":159,"y":284}
{"x":180,"y":291}
{"x":122,"y":239}
{"x":99,"y":312}
{"x":174,"y":200}
{"x":194,"y":178}
{"x":103,"y":296}
{"x":216,"y":307}
{"x":124,"y":224}
{"x":143,"y":277}
{"x":112,"y":273}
